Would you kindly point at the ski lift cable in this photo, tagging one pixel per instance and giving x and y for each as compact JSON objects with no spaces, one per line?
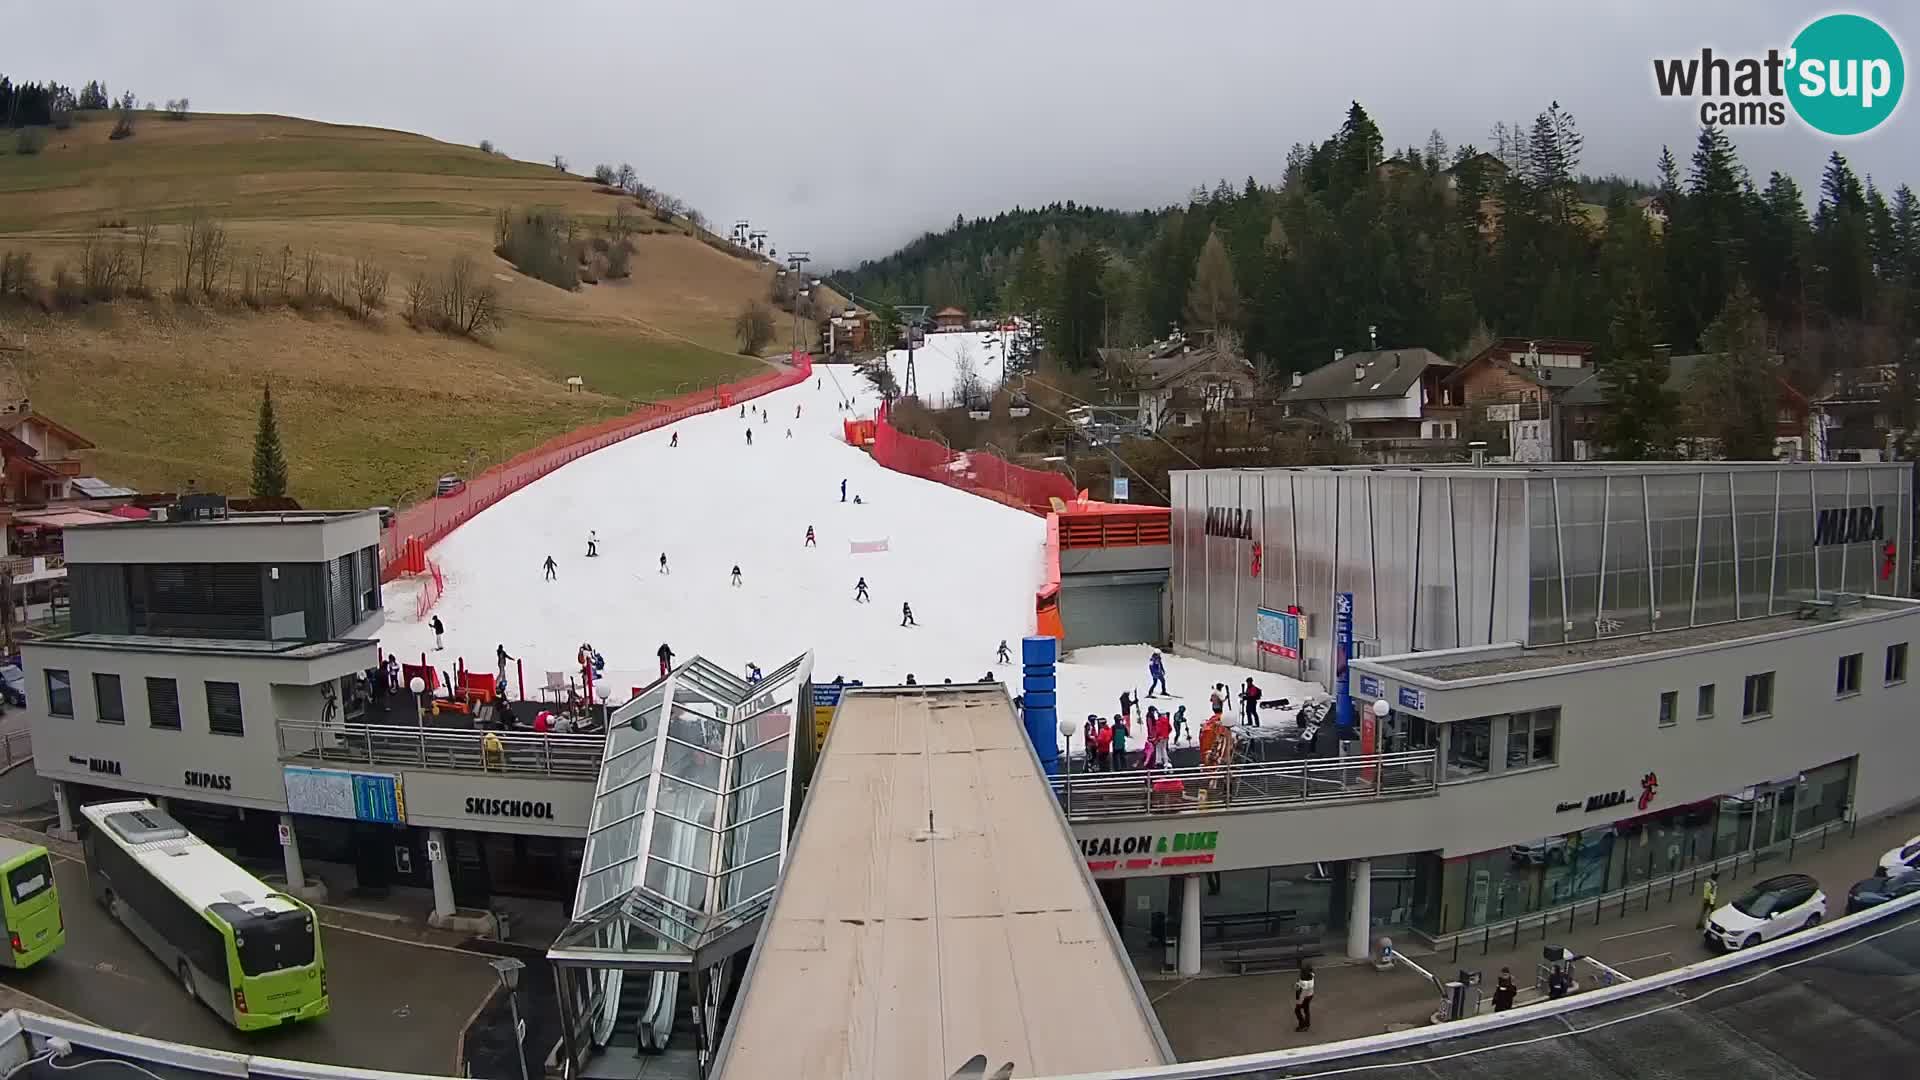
{"x":1154,"y":435}
{"x":1116,"y":457}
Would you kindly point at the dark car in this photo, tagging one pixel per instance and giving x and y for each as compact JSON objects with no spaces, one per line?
{"x":1881,"y":888}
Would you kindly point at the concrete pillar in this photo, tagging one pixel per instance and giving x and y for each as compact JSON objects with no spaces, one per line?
{"x":66,"y":831}
{"x":1190,"y":925}
{"x":442,"y":870}
{"x":290,"y":852}
{"x":1360,"y":909}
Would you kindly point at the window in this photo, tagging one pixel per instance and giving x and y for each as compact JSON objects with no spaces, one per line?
{"x":1758,"y":700}
{"x":1705,"y":709}
{"x":1669,"y":707}
{"x":1468,"y":745}
{"x":59,"y":693}
{"x":223,"y":709}
{"x":1531,"y":737}
{"x":1896,"y":663}
{"x":1846,"y":679}
{"x":163,"y":703}
{"x":106,"y":699}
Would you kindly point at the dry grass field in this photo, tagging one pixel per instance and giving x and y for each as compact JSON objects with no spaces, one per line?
{"x":370,"y":411}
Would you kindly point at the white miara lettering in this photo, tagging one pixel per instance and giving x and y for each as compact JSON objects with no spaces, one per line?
{"x":524,"y":808}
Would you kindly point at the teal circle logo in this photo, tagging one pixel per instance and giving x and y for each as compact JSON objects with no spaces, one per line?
{"x":1847,"y":75}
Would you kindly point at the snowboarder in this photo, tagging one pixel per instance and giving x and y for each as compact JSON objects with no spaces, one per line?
{"x":675,"y":441}
{"x":552,"y":568}
{"x":810,"y":542}
{"x":663,"y":562}
{"x":1003,"y":656}
{"x":906,"y":615}
{"x":666,"y":659}
{"x":735,"y":582}
{"x":500,"y":659}
{"x":860,"y":592}
{"x":749,"y":436}
{"x":1157,"y":675}
{"x":843,"y":491}
{"x":439,"y":628}
{"x":593,"y":544}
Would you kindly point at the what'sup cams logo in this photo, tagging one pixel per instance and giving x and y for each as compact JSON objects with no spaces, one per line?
{"x":1842,"y":75}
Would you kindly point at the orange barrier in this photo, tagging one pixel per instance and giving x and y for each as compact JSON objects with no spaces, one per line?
{"x":977,"y":471}
{"x":1046,"y":600}
{"x":1100,"y":525}
{"x":418,"y":527}
{"x":859,"y":432}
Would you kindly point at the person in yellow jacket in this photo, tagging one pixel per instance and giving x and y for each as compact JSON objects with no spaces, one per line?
{"x":1709,"y":899}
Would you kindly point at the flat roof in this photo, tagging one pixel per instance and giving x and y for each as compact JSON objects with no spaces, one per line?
{"x":236,"y":517}
{"x":1841,"y":1007}
{"x":1509,"y":661}
{"x":277,"y":650}
{"x":894,"y":951}
{"x":1551,"y":469}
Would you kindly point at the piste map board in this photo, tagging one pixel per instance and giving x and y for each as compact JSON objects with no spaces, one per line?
{"x":376,"y":797}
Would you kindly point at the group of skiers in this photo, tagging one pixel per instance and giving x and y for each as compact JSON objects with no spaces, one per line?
{"x":1106,"y":741}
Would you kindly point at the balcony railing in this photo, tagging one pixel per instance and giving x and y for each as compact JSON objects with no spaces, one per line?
{"x":1128,"y":793}
{"x":307,"y":742}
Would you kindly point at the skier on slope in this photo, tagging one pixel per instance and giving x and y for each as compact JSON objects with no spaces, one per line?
{"x":663,"y":562}
{"x":789,"y":433}
{"x":550,"y":567}
{"x":1003,"y":657}
{"x":593,"y":544}
{"x":675,"y":441}
{"x":796,"y":412}
{"x":843,"y":490}
{"x":860,"y":592}
{"x":906,"y":615}
{"x":743,"y":412}
{"x":666,"y":658}
{"x":736,"y":576}
{"x":810,"y":542}
{"x":749,"y":436}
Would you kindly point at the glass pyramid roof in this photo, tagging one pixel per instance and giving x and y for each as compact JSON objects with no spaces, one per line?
{"x":689,"y":824}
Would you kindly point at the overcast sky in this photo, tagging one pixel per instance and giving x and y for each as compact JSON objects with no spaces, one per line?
{"x":849,"y":128}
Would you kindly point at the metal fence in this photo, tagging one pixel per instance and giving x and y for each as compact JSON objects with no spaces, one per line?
{"x":1207,"y":788}
{"x":441,"y":748}
{"x":15,"y":747}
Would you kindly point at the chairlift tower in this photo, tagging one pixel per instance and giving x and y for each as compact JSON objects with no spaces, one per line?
{"x":914,"y":313}
{"x":796,"y":261}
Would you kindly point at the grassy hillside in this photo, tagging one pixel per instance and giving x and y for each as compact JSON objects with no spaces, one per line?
{"x":370,"y":412}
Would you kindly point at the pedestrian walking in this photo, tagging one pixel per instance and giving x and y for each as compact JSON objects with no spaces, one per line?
{"x":1303,"y":998}
{"x":735,"y":580}
{"x":439,"y":628}
{"x":663,"y":563}
{"x":1004,"y":656}
{"x":906,"y":615}
{"x":1504,"y":991}
{"x":810,"y":542}
{"x":1709,"y":895}
{"x":500,"y":659}
{"x":860,"y":592}
{"x":552,"y":568}
{"x":1157,"y":675}
{"x":593,"y":544}
{"x":666,"y":659}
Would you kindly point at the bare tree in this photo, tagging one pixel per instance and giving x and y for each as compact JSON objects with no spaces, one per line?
{"x":456,"y":288}
{"x":624,"y":177}
{"x":559,"y":163}
{"x":310,"y":274}
{"x":369,"y":286}
{"x":144,"y":235}
{"x":213,"y":254}
{"x":421,"y":303}
{"x":482,"y":311}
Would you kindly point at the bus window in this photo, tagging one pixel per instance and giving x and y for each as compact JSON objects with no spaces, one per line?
{"x":273,"y":942}
{"x":30,"y":879}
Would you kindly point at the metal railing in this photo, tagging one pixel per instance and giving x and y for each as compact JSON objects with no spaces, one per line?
{"x":15,"y":747}
{"x":1132,"y":792}
{"x":576,"y":756}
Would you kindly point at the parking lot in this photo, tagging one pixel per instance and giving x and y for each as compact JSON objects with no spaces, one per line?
{"x":396,"y":1005}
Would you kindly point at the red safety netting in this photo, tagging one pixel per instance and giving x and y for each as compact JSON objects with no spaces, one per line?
{"x":984,"y":474}
{"x":430,"y":521}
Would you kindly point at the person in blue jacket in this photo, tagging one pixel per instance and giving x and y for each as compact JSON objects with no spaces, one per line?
{"x":1157,"y":675}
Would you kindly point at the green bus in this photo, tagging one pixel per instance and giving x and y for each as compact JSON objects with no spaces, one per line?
{"x":30,"y":906}
{"x":250,"y":954}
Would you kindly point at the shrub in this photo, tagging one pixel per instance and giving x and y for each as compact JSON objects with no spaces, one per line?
{"x":620,"y":259}
{"x":486,"y":146}
{"x":538,"y":243}
{"x":16,"y":274}
{"x":604,"y":176}
{"x":29,"y":141}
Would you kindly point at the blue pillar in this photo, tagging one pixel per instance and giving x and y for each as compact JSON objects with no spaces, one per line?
{"x":1037,"y":656}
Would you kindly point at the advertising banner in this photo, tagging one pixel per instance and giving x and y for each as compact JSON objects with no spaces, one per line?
{"x":373,"y":797}
{"x":1342,"y":652}
{"x":1277,"y":633}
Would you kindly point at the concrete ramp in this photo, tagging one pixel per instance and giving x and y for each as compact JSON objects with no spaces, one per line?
{"x":934,"y":908}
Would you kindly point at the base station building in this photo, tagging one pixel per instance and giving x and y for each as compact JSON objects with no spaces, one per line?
{"x":1620,"y":671}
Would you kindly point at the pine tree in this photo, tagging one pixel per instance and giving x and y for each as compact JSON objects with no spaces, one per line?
{"x":1079,"y":305}
{"x":1642,"y":418}
{"x":269,"y":462}
{"x":1735,"y":390}
{"x":1214,"y":301}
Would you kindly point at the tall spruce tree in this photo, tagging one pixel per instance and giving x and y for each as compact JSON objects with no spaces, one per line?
{"x":1642,"y":418}
{"x":1735,"y":390}
{"x":1214,"y":301}
{"x":269,"y":461}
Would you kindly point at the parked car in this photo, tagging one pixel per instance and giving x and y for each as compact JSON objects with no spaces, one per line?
{"x":1770,"y":909}
{"x":13,"y":685}
{"x":386,"y":516}
{"x":1904,"y":857}
{"x":1881,"y":888}
{"x":449,"y":485}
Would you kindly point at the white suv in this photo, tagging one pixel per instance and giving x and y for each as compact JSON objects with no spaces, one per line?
{"x":1904,"y":857}
{"x":1776,"y":906}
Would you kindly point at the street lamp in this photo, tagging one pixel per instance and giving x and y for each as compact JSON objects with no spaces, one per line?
{"x":1066,"y":732}
{"x":508,"y":969}
{"x":603,"y":692}
{"x":419,"y":686}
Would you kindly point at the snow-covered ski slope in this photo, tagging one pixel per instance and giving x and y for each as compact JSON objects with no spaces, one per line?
{"x":969,"y":566}
{"x":938,"y":360}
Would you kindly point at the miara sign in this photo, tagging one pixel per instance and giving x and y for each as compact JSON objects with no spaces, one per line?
{"x":1234,"y":524}
{"x":1849,"y":525}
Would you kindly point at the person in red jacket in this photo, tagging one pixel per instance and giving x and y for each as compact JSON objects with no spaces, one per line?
{"x":1162,"y":739}
{"x":1103,"y":747}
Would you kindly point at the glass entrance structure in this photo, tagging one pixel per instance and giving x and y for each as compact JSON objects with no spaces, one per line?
{"x":685,"y":844}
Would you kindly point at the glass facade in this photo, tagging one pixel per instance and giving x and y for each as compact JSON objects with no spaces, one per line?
{"x":1444,"y":557}
{"x":1462,"y":893}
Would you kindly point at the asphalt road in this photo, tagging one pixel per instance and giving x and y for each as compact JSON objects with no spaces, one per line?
{"x":397,"y":1005}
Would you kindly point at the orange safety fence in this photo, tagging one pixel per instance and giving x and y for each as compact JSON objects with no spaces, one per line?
{"x":424,"y":524}
{"x":977,"y":471}
{"x":431,"y":588}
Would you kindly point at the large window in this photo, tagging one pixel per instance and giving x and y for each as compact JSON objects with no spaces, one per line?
{"x":1896,"y":663}
{"x":163,"y":703}
{"x":1758,"y":699}
{"x":1532,"y":738}
{"x":106,"y":698}
{"x":1846,"y":679}
{"x":223,"y":709}
{"x":59,"y":693}
{"x":1469,"y":743}
{"x":208,"y":600}
{"x":1669,"y":707}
